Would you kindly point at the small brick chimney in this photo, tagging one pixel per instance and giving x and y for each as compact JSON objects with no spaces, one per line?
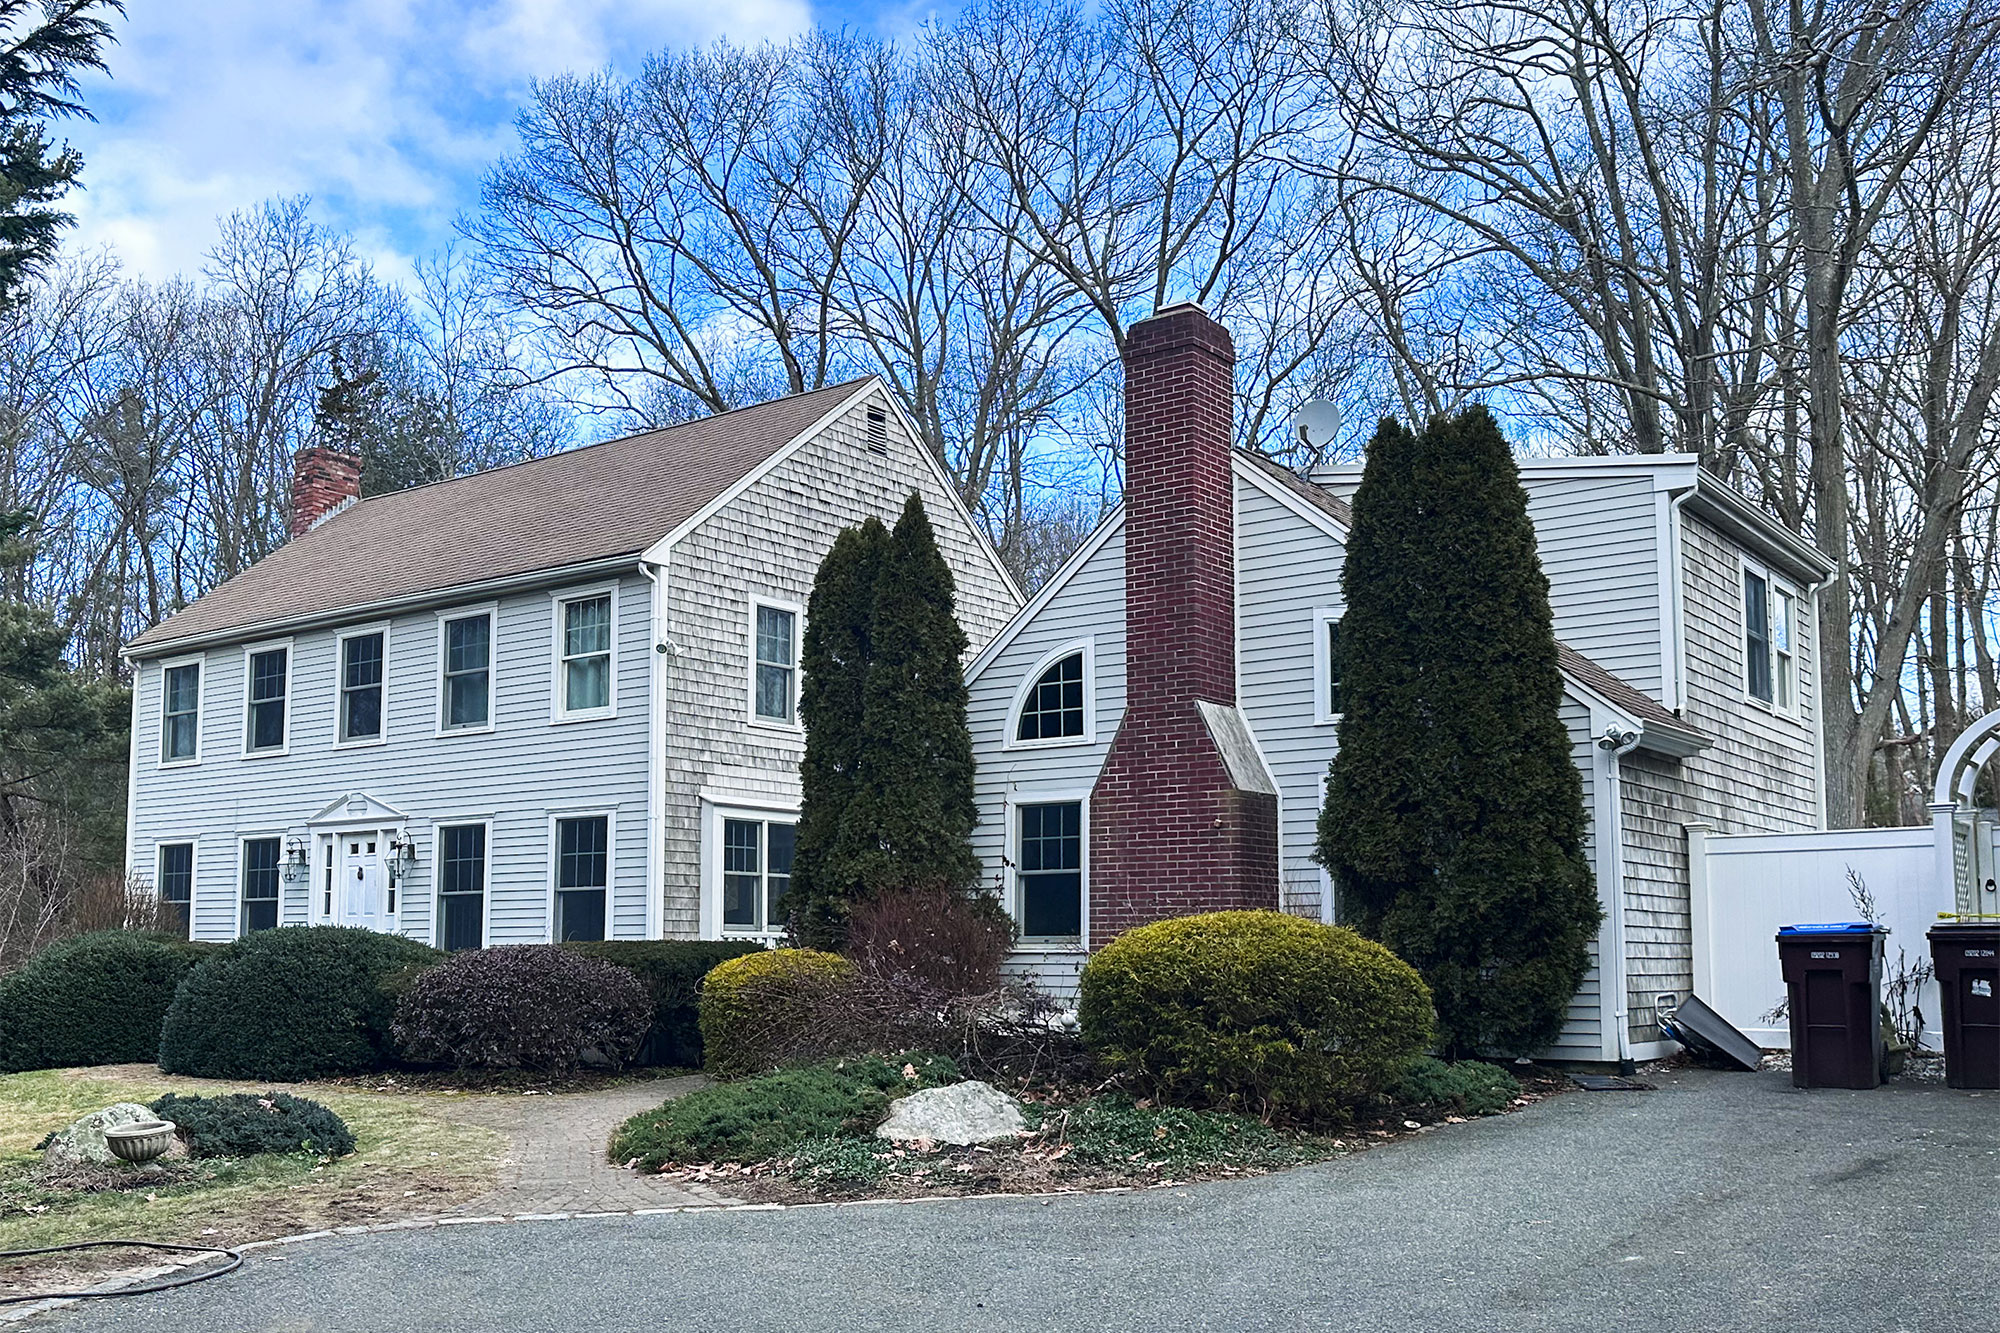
{"x":323,"y":480}
{"x":1184,"y":817}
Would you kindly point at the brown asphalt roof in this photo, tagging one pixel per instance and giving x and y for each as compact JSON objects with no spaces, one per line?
{"x":1317,"y":496}
{"x":587,"y":504}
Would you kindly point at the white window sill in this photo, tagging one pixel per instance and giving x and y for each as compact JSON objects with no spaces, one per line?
{"x":266,"y":754}
{"x":1066,"y":944}
{"x":772,"y":726}
{"x":181,"y":763}
{"x":486,"y":730}
{"x":1060,"y":743}
{"x":593,"y":715}
{"x":366,"y":743}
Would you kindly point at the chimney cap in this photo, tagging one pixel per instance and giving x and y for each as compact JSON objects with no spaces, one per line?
{"x":1176,"y":308}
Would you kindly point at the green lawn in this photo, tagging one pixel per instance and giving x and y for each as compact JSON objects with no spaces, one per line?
{"x":412,"y":1158}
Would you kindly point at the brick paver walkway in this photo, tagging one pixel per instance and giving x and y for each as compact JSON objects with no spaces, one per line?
{"x":557,"y":1162}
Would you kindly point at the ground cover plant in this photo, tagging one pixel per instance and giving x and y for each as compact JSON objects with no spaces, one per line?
{"x":94,"y":999}
{"x":1468,"y":1087}
{"x":289,"y":1004}
{"x":244,"y":1124}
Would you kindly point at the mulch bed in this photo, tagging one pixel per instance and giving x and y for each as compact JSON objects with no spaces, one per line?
{"x":1042,"y":1163}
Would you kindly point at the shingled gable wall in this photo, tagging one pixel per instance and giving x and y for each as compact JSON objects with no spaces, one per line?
{"x":1170,"y":834}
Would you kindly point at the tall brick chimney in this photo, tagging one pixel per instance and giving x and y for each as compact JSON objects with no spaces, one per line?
{"x":323,"y":480}
{"x":1184,"y":816}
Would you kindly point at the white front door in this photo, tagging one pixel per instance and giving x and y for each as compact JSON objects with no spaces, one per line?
{"x":361,"y":884}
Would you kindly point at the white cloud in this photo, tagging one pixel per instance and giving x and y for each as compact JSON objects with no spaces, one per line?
{"x":385,"y":111}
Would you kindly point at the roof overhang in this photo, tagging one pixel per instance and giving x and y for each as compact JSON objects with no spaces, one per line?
{"x":1729,"y":511}
{"x":1672,"y":740}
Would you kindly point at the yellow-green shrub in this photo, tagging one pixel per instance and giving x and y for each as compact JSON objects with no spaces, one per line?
{"x":755,"y":1009}
{"x":1253,"y":1011}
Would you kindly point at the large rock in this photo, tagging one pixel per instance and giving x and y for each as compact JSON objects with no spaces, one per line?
{"x":963,"y":1113}
{"x":84,"y":1141}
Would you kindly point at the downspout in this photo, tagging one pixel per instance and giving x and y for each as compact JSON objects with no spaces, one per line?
{"x":656,"y":760}
{"x":1622,"y":1012}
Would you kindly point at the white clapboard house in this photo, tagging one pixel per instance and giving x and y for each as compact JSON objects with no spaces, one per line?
{"x":1153,"y":728}
{"x":556,"y":700}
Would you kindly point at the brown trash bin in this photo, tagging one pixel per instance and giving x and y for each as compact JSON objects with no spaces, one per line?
{"x":1833,"y":982}
{"x":1967,"y":957}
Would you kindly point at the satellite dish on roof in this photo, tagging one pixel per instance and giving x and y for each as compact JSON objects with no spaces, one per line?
{"x":1316,"y":423}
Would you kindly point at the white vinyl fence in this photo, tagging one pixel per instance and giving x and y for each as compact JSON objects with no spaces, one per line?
{"x":1744,"y":886}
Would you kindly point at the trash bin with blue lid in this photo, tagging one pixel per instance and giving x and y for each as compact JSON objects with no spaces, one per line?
{"x":1966,"y":955}
{"x":1833,"y":983}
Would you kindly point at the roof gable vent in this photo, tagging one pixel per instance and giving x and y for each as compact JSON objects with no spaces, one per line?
{"x":878,"y":432}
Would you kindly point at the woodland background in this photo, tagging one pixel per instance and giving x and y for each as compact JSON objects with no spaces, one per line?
{"x":1767,"y":235}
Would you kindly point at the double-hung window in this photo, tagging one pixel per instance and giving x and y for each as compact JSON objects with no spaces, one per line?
{"x":180,"y":713}
{"x":260,"y":884}
{"x":1770,"y":641}
{"x":1784,"y":659}
{"x":1328,"y":697}
{"x":775,"y":674}
{"x":1051,"y":870}
{"x":467,"y":692}
{"x":756,"y":873}
{"x":362,"y":668}
{"x":583,"y":869}
{"x":583,"y":644}
{"x":1757,"y":635}
{"x":461,"y":887}
{"x":267,"y":683}
{"x":176,"y":885}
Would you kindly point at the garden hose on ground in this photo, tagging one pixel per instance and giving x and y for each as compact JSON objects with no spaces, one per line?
{"x":138,"y":1289}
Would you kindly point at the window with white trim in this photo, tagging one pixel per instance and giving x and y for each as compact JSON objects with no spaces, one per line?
{"x":583,"y":876}
{"x":774,"y":688}
{"x":1328,"y":667}
{"x":583,"y":673}
{"x":176,"y":886}
{"x":1053,"y":708}
{"x":260,"y":884}
{"x":180,"y":713}
{"x":362,"y":670}
{"x":1757,"y":635}
{"x":461,"y":905}
{"x":1784,"y":656}
{"x":1049,"y":856}
{"x":1770,"y":640}
{"x":267,"y":675}
{"x":756,"y":873}
{"x":465,"y":695}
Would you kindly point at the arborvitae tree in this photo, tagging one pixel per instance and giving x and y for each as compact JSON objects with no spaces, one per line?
{"x":909,"y":820}
{"x":833,"y":659}
{"x":1454,"y":814}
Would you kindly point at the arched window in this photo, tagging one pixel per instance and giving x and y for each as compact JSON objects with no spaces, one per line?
{"x":1053,"y":709}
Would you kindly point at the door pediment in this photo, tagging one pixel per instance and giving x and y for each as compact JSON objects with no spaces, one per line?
{"x":358,"y":807}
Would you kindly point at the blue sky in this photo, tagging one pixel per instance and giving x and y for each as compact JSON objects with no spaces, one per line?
{"x":386,"y":112}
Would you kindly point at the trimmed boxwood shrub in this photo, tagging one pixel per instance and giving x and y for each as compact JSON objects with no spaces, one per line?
{"x":756,"y":1118}
{"x":242,"y":1124}
{"x":293,"y":1003}
{"x":1469,"y":1087}
{"x":522,"y":1006}
{"x":1253,"y":1011}
{"x":671,"y":970}
{"x":96,"y":999}
{"x":753,"y":1006}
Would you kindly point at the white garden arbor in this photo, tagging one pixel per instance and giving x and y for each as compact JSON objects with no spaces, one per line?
{"x":1965,"y":832}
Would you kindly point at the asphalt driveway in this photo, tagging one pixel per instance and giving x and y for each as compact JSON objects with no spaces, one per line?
{"x":1719,"y":1202}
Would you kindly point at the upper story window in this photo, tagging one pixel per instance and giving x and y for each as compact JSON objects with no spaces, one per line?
{"x":584,"y":649}
{"x":1328,"y":701}
{"x":180,"y":713}
{"x":1054,"y":705}
{"x":268,"y":673}
{"x":362,"y":675}
{"x":774,"y":681}
{"x":176,"y":884}
{"x":466,"y":664}
{"x":1770,"y":640}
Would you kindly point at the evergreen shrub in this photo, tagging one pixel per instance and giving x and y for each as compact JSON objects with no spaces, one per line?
{"x":753,"y":1007}
{"x":523,"y":1006}
{"x":1259,"y":1012}
{"x":95,"y":999}
{"x":243,"y":1124}
{"x":1468,"y":1087}
{"x":293,"y":1003}
{"x":671,"y":971}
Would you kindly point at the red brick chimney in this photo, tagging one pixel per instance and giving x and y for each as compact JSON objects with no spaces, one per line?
{"x":323,"y":480}
{"x":1184,"y":817}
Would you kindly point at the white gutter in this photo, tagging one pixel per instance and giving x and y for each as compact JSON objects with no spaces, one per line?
{"x":415,"y":601}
